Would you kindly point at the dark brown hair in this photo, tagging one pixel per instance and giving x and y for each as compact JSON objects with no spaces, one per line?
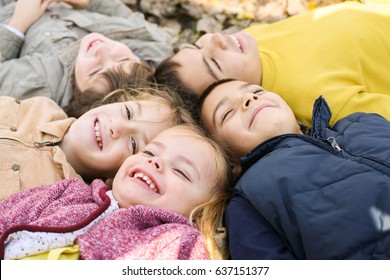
{"x":209,"y":89}
{"x":166,"y":74}
{"x":140,"y":74}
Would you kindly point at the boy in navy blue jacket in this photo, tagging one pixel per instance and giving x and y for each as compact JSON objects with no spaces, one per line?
{"x":323,"y":196}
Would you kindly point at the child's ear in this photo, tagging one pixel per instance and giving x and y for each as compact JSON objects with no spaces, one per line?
{"x":109,"y":182}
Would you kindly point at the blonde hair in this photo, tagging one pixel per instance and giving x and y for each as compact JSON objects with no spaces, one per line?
{"x":151,"y":91}
{"x":208,"y":216}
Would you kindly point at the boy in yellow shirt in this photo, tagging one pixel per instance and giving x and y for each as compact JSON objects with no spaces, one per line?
{"x":341,"y":52}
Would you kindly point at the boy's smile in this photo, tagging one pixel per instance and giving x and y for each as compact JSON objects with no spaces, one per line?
{"x":238,"y":110}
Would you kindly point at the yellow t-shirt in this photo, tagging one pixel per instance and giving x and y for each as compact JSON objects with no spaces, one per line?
{"x":341,"y":52}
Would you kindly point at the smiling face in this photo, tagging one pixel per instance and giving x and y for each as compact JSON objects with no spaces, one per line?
{"x":219,"y":56}
{"x":171,"y":173}
{"x":243,"y":115}
{"x":99,"y":141}
{"x":97,"y":54}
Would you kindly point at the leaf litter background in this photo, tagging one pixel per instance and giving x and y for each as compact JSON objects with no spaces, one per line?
{"x":186,"y":20}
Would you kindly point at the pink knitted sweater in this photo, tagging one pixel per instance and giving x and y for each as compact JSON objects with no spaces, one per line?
{"x":138,"y":232}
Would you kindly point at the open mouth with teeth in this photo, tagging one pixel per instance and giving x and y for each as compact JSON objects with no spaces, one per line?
{"x":146,"y":180}
{"x":97,"y":134}
{"x":237,"y":42}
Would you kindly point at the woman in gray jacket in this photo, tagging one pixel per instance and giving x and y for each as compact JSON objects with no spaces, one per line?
{"x":44,"y":49}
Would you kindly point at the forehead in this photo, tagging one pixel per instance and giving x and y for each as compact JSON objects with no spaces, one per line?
{"x":189,"y":142}
{"x":228,"y":89}
{"x":125,"y":67}
{"x":154,"y":104}
{"x":191,"y":147}
{"x":193,"y":70}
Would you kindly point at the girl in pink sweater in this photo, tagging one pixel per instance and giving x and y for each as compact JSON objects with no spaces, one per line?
{"x":179,"y":177}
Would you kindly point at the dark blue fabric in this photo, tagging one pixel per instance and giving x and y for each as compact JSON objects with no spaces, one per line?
{"x":327,"y":196}
{"x":255,"y":239}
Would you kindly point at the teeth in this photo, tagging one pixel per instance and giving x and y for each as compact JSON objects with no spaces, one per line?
{"x":97,"y":134}
{"x":148,"y":181}
{"x":236,"y":41}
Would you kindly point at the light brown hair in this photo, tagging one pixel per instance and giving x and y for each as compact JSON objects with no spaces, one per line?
{"x":138,"y":74}
{"x":150,"y":91}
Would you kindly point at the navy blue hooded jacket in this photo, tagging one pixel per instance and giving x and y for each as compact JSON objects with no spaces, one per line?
{"x":325,"y":196}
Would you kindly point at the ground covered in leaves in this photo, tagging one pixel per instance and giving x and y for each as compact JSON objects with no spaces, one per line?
{"x":186,"y":20}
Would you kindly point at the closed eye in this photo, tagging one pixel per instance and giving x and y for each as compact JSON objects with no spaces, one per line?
{"x":226,"y":115}
{"x":212,"y":59}
{"x":94,"y":72}
{"x":207,"y":64}
{"x":182,"y":174}
{"x":147,"y":152}
{"x":258,"y":91}
{"x":216,"y":64}
{"x":123,"y":59}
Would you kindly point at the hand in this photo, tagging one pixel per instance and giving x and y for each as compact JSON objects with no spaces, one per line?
{"x":27,"y":12}
{"x":78,"y":4}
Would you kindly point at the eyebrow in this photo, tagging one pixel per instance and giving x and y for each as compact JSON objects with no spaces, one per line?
{"x":205,"y":62}
{"x":220,"y":103}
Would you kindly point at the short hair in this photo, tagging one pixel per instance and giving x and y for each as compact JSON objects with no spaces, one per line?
{"x":139,"y":74}
{"x":209,"y":89}
{"x":166,"y":74}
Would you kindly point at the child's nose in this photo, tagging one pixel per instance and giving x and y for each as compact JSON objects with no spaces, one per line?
{"x":118,"y":128}
{"x":156,"y":163}
{"x":218,"y":41}
{"x":247,"y":99}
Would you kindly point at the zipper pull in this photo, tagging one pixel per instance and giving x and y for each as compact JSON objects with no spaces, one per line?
{"x":333,"y":143}
{"x":43,"y":144}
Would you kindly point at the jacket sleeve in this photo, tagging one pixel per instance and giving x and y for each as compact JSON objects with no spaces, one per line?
{"x":36,"y":82}
{"x":46,"y":205}
{"x":114,"y":8}
{"x":5,"y":2}
{"x":10,"y":44}
{"x":146,"y":39}
{"x":251,"y":237}
{"x":18,"y":209}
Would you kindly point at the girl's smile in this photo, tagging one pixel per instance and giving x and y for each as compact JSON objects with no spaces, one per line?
{"x":146,"y":180}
